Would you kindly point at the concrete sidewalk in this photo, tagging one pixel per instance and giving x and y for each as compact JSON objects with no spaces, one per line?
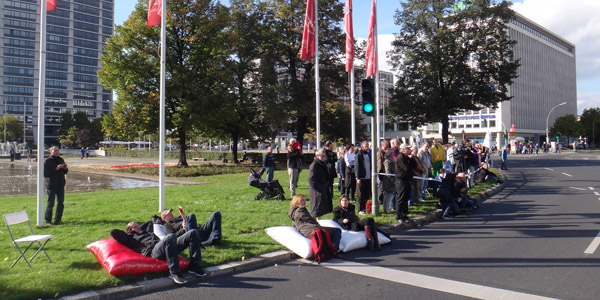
{"x":257,"y":262}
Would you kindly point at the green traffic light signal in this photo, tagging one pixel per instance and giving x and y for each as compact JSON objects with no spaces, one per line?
{"x":368,"y":96}
{"x":557,"y":137}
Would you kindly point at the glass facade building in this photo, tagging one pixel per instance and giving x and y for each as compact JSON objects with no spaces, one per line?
{"x":75,"y":33}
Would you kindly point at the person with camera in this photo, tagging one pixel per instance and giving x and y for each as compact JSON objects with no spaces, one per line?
{"x":55,"y":170}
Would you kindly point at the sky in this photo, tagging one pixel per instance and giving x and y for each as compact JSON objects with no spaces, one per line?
{"x":577,"y":21}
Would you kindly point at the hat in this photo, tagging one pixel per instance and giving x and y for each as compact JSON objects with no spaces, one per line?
{"x":165,"y":213}
{"x":403,"y":145}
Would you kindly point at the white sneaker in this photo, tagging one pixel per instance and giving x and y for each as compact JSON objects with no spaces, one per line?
{"x":362,"y":213}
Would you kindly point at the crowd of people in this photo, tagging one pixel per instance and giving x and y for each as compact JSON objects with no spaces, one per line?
{"x":405,"y":174}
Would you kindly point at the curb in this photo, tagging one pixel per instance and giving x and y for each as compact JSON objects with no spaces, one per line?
{"x":257,"y":262}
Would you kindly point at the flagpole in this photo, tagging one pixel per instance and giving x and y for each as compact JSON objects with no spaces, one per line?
{"x":352,"y":110}
{"x":375,"y":142}
{"x":317,"y":91}
{"x":41,"y":117}
{"x":161,"y":171}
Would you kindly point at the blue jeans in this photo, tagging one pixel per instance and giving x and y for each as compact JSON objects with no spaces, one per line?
{"x":212,"y":225}
{"x":270,"y":172}
{"x":170,"y":247}
{"x":59,"y":194}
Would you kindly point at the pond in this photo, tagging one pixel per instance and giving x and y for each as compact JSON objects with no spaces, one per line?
{"x":18,"y":179}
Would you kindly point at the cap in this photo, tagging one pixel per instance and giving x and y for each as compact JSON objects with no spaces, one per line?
{"x":403,"y":145}
{"x":165,"y":212}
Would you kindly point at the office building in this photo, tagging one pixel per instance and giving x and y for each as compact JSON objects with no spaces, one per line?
{"x":75,"y":32}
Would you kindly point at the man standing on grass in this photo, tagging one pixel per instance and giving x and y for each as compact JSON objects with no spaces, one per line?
{"x":55,"y":170}
{"x":437,"y":157}
{"x":269,"y":163}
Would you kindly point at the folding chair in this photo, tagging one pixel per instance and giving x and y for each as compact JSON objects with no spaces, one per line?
{"x":21,"y":217}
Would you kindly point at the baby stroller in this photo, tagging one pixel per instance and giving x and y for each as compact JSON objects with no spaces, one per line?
{"x":269,"y":189}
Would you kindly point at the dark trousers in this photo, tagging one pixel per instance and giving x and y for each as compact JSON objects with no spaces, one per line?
{"x":336,"y":236}
{"x":170,"y":247}
{"x":364,"y":193}
{"x":59,"y":194}
{"x":403,"y":187}
{"x":212,"y":225}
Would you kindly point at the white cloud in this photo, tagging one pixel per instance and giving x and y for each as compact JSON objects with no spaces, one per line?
{"x":587,"y":100}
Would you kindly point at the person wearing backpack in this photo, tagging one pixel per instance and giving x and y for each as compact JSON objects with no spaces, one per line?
{"x":345,"y":216}
{"x":306,"y":224}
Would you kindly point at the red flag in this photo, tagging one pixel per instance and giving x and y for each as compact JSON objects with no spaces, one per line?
{"x":308,"y":36}
{"x":512,"y":128}
{"x":154,"y":12}
{"x":50,"y":5}
{"x":371,"y":48}
{"x":349,"y":36}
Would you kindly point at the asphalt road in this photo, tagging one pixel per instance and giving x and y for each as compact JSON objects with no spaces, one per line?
{"x":536,"y":239}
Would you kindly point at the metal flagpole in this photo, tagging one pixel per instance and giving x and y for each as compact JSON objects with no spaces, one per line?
{"x":161,"y":171}
{"x":317,"y":91}
{"x":41,"y":118}
{"x":352,"y":104}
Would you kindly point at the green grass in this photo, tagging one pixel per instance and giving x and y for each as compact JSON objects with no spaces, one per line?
{"x":89,"y":217}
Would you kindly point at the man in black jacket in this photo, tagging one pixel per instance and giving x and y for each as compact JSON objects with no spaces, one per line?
{"x":209,"y":232}
{"x":405,"y":170}
{"x":318,"y":186}
{"x":142,"y":240}
{"x":363,"y":177}
{"x":55,"y":170}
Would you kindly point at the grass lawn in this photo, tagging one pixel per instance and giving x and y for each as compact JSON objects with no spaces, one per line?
{"x":90,"y":216}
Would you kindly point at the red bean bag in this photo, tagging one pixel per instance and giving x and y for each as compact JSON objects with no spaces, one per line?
{"x":120,"y":260}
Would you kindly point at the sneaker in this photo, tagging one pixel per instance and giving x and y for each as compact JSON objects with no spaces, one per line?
{"x":216,"y":242}
{"x":362,"y":213}
{"x":196,"y":270}
{"x":178,"y":278}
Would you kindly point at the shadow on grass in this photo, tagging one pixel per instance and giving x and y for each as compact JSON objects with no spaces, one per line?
{"x":86,"y":265}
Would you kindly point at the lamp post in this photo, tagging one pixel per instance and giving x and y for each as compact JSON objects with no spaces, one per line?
{"x":548,"y":119}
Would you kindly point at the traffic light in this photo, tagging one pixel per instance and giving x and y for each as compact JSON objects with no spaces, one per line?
{"x":368,"y":96}
{"x":558,"y":137}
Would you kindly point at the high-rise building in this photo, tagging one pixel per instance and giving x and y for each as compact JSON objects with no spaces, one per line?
{"x":75,"y":33}
{"x":546,"y":81}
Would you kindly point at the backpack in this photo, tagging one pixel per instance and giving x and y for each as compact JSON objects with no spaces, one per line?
{"x":322,"y":248}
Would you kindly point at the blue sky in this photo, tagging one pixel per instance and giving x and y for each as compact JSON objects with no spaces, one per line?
{"x":575,"y":20}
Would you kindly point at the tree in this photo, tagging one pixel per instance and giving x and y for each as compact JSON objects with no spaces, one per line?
{"x":450,"y":59}
{"x":284,"y":18}
{"x":590,"y":121}
{"x":66,"y":122}
{"x":566,"y":125}
{"x":14,"y":128}
{"x":195,"y":52}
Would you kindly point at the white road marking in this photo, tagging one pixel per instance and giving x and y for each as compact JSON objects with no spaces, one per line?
{"x":593,"y":246}
{"x":577,"y":188}
{"x":596,"y":193}
{"x":549,"y":169}
{"x":567,"y":174}
{"x":591,"y":188}
{"x":428,"y":282}
{"x":586,"y":158}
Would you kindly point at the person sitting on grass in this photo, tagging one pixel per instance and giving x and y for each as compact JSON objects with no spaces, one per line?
{"x":484,"y":174}
{"x":210,"y":232}
{"x":142,"y":240}
{"x":345,"y":216}
{"x":306,"y":224}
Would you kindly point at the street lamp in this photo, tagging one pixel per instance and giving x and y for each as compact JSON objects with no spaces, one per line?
{"x":548,"y":119}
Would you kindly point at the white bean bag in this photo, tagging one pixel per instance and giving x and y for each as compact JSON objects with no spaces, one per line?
{"x":292,"y":239}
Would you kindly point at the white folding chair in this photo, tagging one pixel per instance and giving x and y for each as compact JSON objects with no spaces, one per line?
{"x":21,"y":217}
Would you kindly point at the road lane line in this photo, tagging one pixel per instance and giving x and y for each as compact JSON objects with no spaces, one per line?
{"x":549,"y":169}
{"x":577,"y":188}
{"x":593,"y":246}
{"x":567,"y":174}
{"x":596,"y":193}
{"x":591,"y":188}
{"x":428,"y":282}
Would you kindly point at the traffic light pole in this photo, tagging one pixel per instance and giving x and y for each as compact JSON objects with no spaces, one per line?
{"x":374,"y":194}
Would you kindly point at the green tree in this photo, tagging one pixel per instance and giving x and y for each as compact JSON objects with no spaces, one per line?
{"x":590,"y":120}
{"x":195,"y":52}
{"x":14,"y":128}
{"x":450,"y":59}
{"x":568,"y":126}
{"x":66,"y":122}
{"x":284,"y":18}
